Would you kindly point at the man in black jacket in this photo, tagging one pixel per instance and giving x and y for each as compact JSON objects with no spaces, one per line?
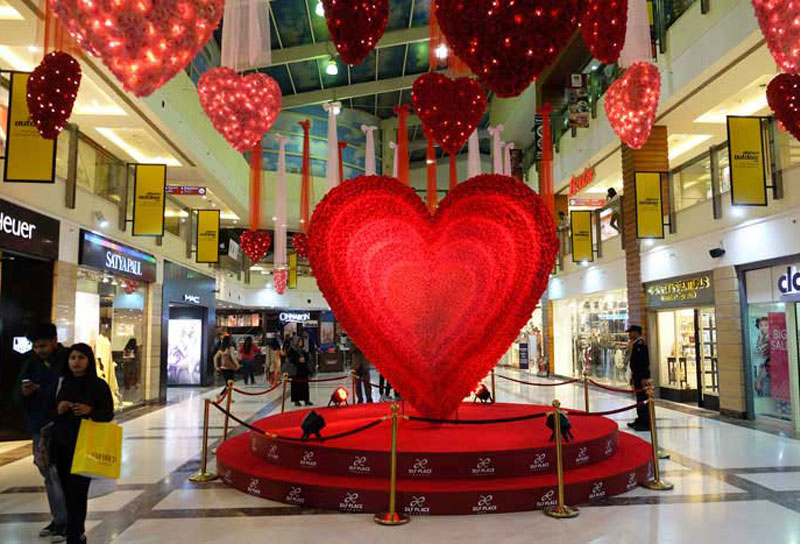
{"x":640,"y":375}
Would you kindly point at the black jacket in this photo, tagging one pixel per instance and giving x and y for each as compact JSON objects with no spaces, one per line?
{"x":640,"y":361}
{"x":90,"y":390}
{"x":46,"y":375}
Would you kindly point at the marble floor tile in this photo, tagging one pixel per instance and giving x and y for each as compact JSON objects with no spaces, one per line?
{"x":213,"y":498}
{"x":777,"y":481}
{"x":28,"y":532}
{"x":691,"y":484}
{"x":36,"y":503}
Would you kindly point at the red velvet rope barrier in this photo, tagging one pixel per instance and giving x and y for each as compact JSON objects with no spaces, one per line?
{"x":309,"y":380}
{"x":257,"y":393}
{"x":574,"y":380}
{"x":615,"y":389}
{"x":581,"y":413}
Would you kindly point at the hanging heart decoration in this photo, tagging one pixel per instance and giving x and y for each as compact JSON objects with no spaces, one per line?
{"x":255,"y":243}
{"x":145,"y":42}
{"x":356,"y":27}
{"x":783,"y":96}
{"x":632,"y":103}
{"x":450,"y":109}
{"x":780,"y":24}
{"x":508,"y":44}
{"x":433,"y":300}
{"x":280,"y":276}
{"x":603,"y":25}
{"x":241,"y":108}
{"x":300,"y":244}
{"x":52,"y":89}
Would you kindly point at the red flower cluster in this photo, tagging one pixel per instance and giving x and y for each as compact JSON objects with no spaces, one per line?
{"x":603,"y":25}
{"x":433,"y":300}
{"x":507,"y":44}
{"x":356,"y":26}
{"x":280,"y":276}
{"x":783,"y":95}
{"x":300,"y":244}
{"x":450,"y":109}
{"x":780,"y":23}
{"x":143,"y":42}
{"x":52,"y":89}
{"x":632,"y":102}
{"x":130,"y":286}
{"x":255,"y":243}
{"x":241,"y":108}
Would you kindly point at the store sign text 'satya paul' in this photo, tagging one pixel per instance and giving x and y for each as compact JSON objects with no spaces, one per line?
{"x":123,"y":264}
{"x":679,"y":290}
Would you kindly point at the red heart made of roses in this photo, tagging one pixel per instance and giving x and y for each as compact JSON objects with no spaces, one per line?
{"x":783,"y":96}
{"x":507,"y":44}
{"x":255,"y":243}
{"x":241,"y":108}
{"x":433,"y":300}
{"x":52,"y":89}
{"x":143,"y":42}
{"x":603,"y":26}
{"x":450,"y":109}
{"x":355,"y":27}
{"x":778,"y":21}
{"x":631,"y":103}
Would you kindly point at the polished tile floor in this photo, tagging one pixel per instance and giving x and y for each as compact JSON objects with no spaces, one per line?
{"x":733,"y":484}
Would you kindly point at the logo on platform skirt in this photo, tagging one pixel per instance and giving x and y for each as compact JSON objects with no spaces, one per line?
{"x":583,"y":455}
{"x":609,"y":447}
{"x":350,"y":503}
{"x":540,"y":462}
{"x":632,"y":480}
{"x":598,"y":491}
{"x":255,"y":487}
{"x":295,"y":496}
{"x":272,"y":453}
{"x":485,"y":505}
{"x":416,"y":506}
{"x":308,"y":459}
{"x":226,"y":475}
{"x":483,"y":467}
{"x":359,"y":465}
{"x":548,"y":499}
{"x":420,"y":468}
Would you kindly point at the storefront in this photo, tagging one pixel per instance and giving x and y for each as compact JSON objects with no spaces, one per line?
{"x":111,"y":312}
{"x":770,"y":323}
{"x":683,"y":339}
{"x":527,"y":351}
{"x":187,"y":328}
{"x":28,"y":248}
{"x":589,"y":332}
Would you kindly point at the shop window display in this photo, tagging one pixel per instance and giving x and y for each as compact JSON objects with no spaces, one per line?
{"x":687,"y":350}
{"x":769,"y":360}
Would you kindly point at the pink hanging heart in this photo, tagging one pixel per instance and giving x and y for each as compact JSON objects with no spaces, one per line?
{"x":632,"y":103}
{"x":255,"y":244}
{"x":780,"y":24}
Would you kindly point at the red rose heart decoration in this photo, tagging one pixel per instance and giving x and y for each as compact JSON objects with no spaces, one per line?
{"x":603,"y":25}
{"x":241,"y":108}
{"x":280,"y":277}
{"x":143,"y":42}
{"x":783,"y":96}
{"x":778,"y":20}
{"x":507,"y":44}
{"x":450,"y":109}
{"x":52,"y":89}
{"x":433,"y":300}
{"x":255,"y":243}
{"x":300,"y":244}
{"x":356,"y":26}
{"x":632,"y":103}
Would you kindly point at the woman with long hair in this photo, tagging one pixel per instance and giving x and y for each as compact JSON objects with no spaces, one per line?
{"x":247,"y":354}
{"x":82,"y":395}
{"x":298,"y":360}
{"x":226,"y":361}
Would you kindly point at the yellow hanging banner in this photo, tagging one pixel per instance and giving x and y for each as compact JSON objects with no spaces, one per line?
{"x":649,"y":205}
{"x":149,"y":199}
{"x":292,"y":283}
{"x":747,"y":159}
{"x":207,"y":236}
{"x":29,"y":157}
{"x":581,"y":235}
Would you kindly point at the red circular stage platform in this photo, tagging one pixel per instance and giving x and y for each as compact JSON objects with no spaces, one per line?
{"x":446,"y":468}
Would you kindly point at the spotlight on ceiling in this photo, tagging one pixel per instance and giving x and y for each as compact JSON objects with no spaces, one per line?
{"x":332,"y":68}
{"x":320,"y":9}
{"x":100,"y":219}
{"x":441,"y":51}
{"x":483,"y":394}
{"x":313,"y":423}
{"x":338,"y":397}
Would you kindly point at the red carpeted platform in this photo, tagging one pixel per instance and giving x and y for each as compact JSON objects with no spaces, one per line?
{"x":442,"y":468}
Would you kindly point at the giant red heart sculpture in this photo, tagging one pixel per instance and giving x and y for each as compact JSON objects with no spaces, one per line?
{"x":433,"y":300}
{"x":144,"y":42}
{"x":632,"y":103}
{"x":241,"y":108}
{"x":603,"y":25}
{"x":356,"y":27}
{"x":507,"y":44}
{"x":255,"y":243}
{"x":778,"y":20}
{"x":52,"y":89}
{"x":450,"y":109}
{"x":783,"y":96}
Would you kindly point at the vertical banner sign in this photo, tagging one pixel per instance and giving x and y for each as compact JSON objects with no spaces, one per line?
{"x":649,"y":205}
{"x":538,"y":135}
{"x":780,"y":384}
{"x":746,"y":150}
{"x":292,"y":282}
{"x":582,"y":247}
{"x":29,"y":157}
{"x":524,"y":358}
{"x":149,"y":199}
{"x":207,"y":236}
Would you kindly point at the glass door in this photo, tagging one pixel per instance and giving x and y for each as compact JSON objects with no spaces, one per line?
{"x":708,"y":358}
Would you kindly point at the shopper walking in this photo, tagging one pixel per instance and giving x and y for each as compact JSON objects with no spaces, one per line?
{"x":639,"y":358}
{"x":247,"y":355}
{"x":300,"y":371}
{"x":361,"y":373}
{"x":38,"y":381}
{"x":276,"y":354}
{"x":82,"y":395}
{"x":226,"y":361}
{"x":384,"y":388}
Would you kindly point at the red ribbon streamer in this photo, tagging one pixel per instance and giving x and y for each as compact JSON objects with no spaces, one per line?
{"x":546,"y":165}
{"x":306,"y":183}
{"x":342,"y":146}
{"x":256,"y":158}
{"x":430,"y":169}
{"x":402,"y":144}
{"x":453,"y":172}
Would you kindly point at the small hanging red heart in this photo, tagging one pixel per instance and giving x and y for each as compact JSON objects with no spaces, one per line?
{"x":280,"y":276}
{"x":603,"y":25}
{"x":255,"y":243}
{"x":52,"y":89}
{"x":356,"y":27}
{"x":450,"y":109}
{"x":241,"y":108}
{"x":632,"y":103}
{"x":783,"y":96}
{"x":779,"y":20}
{"x":507,"y":44}
{"x":300,"y":244}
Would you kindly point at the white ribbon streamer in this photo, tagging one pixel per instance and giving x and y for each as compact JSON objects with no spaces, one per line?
{"x":637,"y":35}
{"x":497,"y":155}
{"x":473,"y":155}
{"x":394,"y":161}
{"x":246,"y":42}
{"x":280,"y":204}
{"x":507,"y":158}
{"x":369,"y":161}
{"x":332,"y":168}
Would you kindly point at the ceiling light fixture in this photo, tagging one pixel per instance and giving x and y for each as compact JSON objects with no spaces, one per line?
{"x":320,"y":9}
{"x":441,"y":51}
{"x":332,"y":68}
{"x":100,"y":219}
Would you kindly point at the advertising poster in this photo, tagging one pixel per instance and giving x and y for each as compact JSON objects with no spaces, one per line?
{"x":578,"y":109}
{"x":582,"y":248}
{"x":207,"y":236}
{"x":184,"y":351}
{"x":524,"y":358}
{"x":649,"y":205}
{"x":778,"y":358}
{"x":29,"y":157}
{"x":747,"y":162}
{"x":149,"y":199}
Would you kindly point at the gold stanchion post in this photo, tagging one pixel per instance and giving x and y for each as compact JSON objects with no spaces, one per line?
{"x":228,"y":400}
{"x":204,"y":476}
{"x":494,"y":395}
{"x":585,"y":391}
{"x":560,"y":510}
{"x":283,"y":399}
{"x":656,"y":483}
{"x":392,"y":517}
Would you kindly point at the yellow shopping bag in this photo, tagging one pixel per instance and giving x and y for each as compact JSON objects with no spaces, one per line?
{"x":98,"y":451}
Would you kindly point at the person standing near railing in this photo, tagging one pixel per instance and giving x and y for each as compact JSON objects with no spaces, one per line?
{"x":639,"y":361}
{"x":298,"y":363}
{"x":612,"y":200}
{"x":247,"y":354}
{"x":226,"y":361}
{"x":361,"y":371}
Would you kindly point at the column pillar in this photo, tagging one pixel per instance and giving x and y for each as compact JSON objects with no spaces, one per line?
{"x":730,"y":363}
{"x":65,"y":285}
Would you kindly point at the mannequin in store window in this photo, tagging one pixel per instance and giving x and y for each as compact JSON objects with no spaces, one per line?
{"x":106,"y":367}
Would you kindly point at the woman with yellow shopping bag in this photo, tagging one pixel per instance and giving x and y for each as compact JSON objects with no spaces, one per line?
{"x":82,"y":397}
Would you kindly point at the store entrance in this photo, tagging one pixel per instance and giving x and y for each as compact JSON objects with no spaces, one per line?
{"x":687,"y":342}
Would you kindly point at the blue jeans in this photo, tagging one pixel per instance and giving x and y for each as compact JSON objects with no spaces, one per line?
{"x":52,"y":483}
